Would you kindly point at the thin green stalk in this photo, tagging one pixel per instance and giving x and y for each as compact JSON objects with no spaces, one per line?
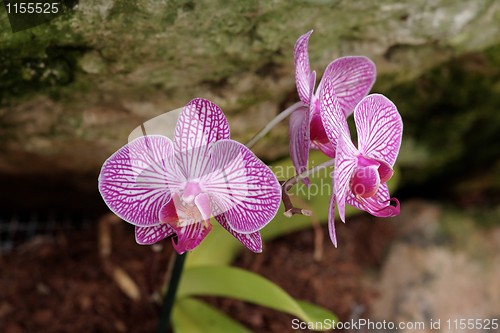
{"x":287,"y":185}
{"x":279,"y":118}
{"x":168,"y":302}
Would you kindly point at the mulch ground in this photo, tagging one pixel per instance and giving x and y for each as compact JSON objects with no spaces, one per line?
{"x":70,"y":283}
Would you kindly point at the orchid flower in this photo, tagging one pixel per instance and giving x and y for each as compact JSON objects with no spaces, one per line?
{"x":168,"y":188}
{"x":351,"y":77}
{"x":361,"y":174}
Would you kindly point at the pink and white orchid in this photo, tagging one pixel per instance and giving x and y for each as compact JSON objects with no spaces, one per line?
{"x":168,"y":188}
{"x":351,"y":79}
{"x":361,"y":174}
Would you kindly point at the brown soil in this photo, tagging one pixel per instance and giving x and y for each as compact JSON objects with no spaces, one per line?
{"x":65,"y":285}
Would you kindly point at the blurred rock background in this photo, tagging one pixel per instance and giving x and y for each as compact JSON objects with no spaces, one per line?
{"x":73,"y":89}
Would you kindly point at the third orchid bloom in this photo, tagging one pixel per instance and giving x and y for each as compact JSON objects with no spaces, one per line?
{"x":361,"y":173}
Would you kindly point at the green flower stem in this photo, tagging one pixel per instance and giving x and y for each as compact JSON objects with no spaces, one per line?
{"x":169,"y":300}
{"x":279,"y":118}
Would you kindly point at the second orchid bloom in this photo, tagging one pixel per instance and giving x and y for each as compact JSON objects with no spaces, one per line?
{"x":361,"y":173}
{"x":350,"y":77}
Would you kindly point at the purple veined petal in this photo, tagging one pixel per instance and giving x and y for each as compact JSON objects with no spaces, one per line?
{"x":332,"y":116}
{"x":351,"y":78}
{"x":154,"y":234}
{"x":312,"y":83}
{"x":242,"y":187}
{"x":252,"y":241}
{"x":379,"y":205}
{"x":300,"y":140}
{"x":380,"y":128}
{"x":345,"y":164}
{"x":135,"y":182}
{"x":331,"y":220}
{"x":305,"y":85}
{"x":201,"y":122}
{"x":150,"y":235}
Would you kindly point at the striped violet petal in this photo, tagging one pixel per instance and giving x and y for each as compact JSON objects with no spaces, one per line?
{"x":201,"y":123}
{"x":252,"y":241}
{"x":152,"y":235}
{"x":351,"y":79}
{"x":303,"y":75}
{"x":242,"y":187}
{"x":379,"y":127}
{"x":135,"y":181}
{"x":300,"y":140}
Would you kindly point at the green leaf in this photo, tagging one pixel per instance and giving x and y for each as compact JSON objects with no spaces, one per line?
{"x":317,"y":312}
{"x":193,"y":316}
{"x":218,"y":248}
{"x":237,"y":283}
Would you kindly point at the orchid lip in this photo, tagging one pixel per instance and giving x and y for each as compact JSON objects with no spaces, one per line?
{"x":365,"y":181}
{"x":368,"y":176}
{"x":390,"y":210}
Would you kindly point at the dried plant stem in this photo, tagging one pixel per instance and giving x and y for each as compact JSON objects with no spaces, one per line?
{"x":290,"y":210}
{"x":279,"y":118}
{"x":121,"y":278}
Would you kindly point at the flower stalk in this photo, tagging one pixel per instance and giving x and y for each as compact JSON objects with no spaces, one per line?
{"x":169,"y":300}
{"x":279,"y":118}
